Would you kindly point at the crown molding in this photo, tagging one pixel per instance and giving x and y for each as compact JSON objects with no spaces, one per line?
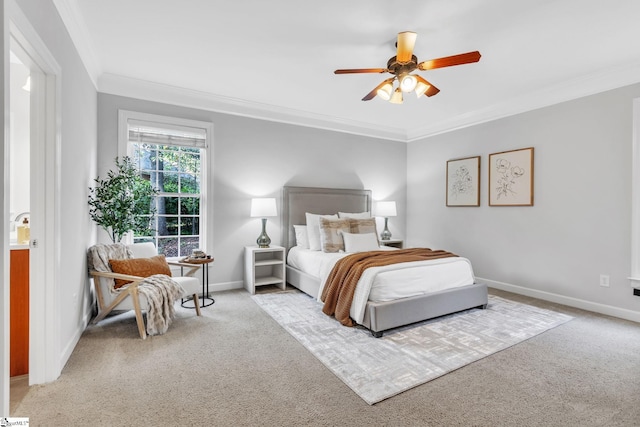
{"x":124,"y":86}
{"x":591,"y":84}
{"x":72,"y":20}
{"x":142,"y":89}
{"x":120,"y":85}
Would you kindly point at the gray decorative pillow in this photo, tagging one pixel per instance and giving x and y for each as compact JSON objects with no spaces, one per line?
{"x":331,"y":234}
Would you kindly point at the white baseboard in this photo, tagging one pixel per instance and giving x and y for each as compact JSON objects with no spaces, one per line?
{"x":225,"y":286}
{"x":71,"y":345}
{"x":609,"y":310}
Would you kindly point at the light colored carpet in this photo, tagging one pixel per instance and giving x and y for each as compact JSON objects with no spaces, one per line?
{"x":236,"y":366}
{"x":403,"y":358}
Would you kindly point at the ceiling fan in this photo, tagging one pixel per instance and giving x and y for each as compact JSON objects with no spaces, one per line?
{"x":403,"y":64}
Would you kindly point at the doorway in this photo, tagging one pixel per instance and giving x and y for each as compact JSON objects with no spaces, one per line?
{"x":20,"y":70}
{"x":44,"y":209}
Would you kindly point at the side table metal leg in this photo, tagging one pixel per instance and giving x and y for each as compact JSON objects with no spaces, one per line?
{"x":205,"y":286}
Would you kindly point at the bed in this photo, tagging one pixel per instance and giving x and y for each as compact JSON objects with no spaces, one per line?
{"x":376,"y":315}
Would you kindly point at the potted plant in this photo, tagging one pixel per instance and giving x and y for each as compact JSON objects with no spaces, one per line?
{"x":123,"y":201}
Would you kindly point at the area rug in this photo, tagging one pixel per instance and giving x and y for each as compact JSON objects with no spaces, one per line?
{"x":379,"y":368}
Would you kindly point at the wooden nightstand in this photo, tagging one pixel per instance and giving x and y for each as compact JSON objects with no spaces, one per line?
{"x":264,"y":266}
{"x":395,"y":243}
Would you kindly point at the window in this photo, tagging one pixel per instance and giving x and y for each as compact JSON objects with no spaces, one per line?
{"x":172,"y":155}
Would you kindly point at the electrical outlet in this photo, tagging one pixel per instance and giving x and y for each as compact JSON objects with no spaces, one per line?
{"x":604,"y":280}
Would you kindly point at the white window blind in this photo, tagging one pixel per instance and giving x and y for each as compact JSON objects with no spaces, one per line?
{"x":166,"y":134}
{"x":172,"y":157}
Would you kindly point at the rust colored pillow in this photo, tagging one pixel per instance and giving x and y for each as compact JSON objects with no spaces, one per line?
{"x":142,"y":267}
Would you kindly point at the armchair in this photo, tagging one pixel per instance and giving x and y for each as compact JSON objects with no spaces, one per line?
{"x":128,"y":297}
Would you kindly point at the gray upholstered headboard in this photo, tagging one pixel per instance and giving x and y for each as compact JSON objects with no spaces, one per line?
{"x":296,"y":201}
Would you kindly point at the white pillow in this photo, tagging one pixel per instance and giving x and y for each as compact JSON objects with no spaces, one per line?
{"x":359,"y":215}
{"x":313,"y":229}
{"x":302,"y":239}
{"x":360,"y":242}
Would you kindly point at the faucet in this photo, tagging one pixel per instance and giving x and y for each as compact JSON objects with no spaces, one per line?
{"x":20,"y":215}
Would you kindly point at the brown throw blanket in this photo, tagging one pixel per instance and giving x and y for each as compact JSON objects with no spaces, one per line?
{"x":337,"y":294}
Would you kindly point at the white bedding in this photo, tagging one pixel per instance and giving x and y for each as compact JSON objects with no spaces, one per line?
{"x":388,"y":282}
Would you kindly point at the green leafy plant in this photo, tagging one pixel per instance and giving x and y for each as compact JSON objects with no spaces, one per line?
{"x":123,"y":201}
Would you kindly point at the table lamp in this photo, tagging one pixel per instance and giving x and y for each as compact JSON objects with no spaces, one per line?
{"x":386,"y":209}
{"x":263,"y":207}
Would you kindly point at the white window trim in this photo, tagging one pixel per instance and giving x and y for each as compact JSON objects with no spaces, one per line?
{"x":206,"y":205}
{"x":635,"y":198}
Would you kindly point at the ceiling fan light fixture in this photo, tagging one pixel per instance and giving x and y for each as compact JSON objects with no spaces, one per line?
{"x":402,"y":65}
{"x":396,"y":98}
{"x":385,"y":91}
{"x":408,"y":83}
{"x":421,"y":88}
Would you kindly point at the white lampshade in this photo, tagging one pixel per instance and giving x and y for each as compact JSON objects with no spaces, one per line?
{"x":263,"y":207}
{"x":396,"y":98}
{"x":385,"y":91}
{"x":386,"y":209}
{"x":408,"y":83}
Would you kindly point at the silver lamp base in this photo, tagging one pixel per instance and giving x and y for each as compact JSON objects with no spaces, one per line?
{"x":263,"y":240}
{"x":386,"y":234}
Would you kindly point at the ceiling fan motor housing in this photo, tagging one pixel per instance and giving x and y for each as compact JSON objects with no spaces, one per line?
{"x":399,"y":68}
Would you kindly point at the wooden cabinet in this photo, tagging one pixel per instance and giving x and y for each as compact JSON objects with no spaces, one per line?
{"x":19,"y":318}
{"x":264,"y":266}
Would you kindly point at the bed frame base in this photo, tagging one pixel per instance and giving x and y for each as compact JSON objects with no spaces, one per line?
{"x":305,"y":282}
{"x":382,"y":316}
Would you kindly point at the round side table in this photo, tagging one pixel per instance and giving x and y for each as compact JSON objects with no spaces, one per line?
{"x":204,"y":263}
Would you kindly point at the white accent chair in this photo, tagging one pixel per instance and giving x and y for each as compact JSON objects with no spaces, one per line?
{"x":128,"y":298}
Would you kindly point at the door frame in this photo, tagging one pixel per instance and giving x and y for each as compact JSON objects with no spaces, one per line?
{"x":45,"y":362}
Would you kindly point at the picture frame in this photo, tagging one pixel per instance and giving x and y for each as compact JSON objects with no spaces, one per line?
{"x":463,"y":182}
{"x":511,"y":178}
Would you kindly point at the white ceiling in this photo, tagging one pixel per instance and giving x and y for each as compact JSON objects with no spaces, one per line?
{"x":275,"y":59}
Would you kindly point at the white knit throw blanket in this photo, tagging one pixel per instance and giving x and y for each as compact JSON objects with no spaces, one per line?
{"x":161,"y":292}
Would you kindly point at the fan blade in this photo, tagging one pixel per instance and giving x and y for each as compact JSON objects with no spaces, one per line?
{"x":405,"y":44}
{"x":361,"y":70}
{"x":449,"y":61}
{"x":373,"y":93}
{"x":431,"y":90}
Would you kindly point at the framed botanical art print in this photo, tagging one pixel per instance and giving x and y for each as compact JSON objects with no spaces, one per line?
{"x":511,"y":178}
{"x":463,"y":182}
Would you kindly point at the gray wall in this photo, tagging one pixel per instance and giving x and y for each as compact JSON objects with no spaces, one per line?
{"x":255,"y":158}
{"x":580,"y":224}
{"x":77,"y":165}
